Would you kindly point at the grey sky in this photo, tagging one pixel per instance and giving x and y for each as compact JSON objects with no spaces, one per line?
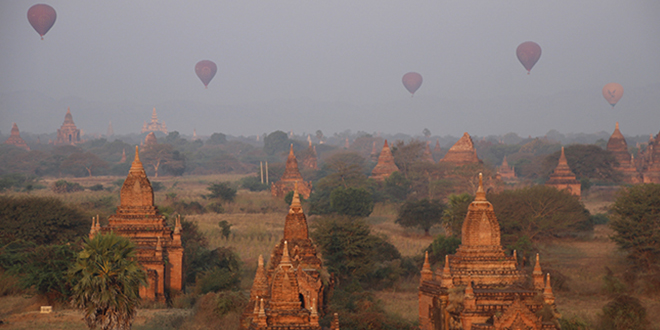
{"x":335,"y":65}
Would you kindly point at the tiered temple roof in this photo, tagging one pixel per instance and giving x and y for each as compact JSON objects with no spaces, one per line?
{"x":506,"y":172}
{"x":385,"y":166}
{"x":619,"y":148}
{"x":310,"y":159}
{"x":289,"y":179}
{"x":650,"y":160}
{"x":154,"y":125}
{"x":288,"y":294}
{"x":159,"y":248}
{"x":563,"y":177}
{"x":495,"y":290}
{"x":15,"y":138}
{"x":150,"y":139}
{"x":68,"y":134}
{"x":462,"y":152}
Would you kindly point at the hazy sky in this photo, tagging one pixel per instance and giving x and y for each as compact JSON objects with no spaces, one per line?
{"x":310,"y":57}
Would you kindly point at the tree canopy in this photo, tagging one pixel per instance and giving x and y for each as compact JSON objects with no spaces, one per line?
{"x":635,"y":220}
{"x":538,"y":211}
{"x":423,"y":214}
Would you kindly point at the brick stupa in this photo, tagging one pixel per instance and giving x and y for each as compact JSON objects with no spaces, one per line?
{"x":289,"y":178}
{"x":506,"y":172}
{"x":495,"y":292}
{"x":68,"y":134}
{"x":15,"y":138}
{"x":288,"y":294}
{"x":310,"y":159}
{"x":650,"y":160}
{"x":385,"y":166}
{"x":159,"y":248}
{"x":150,"y":139}
{"x":618,"y":146}
{"x":462,"y":152}
{"x":563,"y":177}
{"x":154,"y":125}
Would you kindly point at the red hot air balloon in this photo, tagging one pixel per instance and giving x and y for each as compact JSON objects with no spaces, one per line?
{"x":412,"y":81}
{"x":41,"y":17}
{"x":205,"y":70}
{"x":613,"y":93}
{"x":528,"y":54}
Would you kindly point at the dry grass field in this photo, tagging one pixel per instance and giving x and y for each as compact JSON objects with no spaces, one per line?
{"x":257,"y":224}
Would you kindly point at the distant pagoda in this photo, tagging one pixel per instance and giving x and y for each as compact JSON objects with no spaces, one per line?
{"x":68,"y":134}
{"x":650,"y":160}
{"x":15,"y":138}
{"x":618,"y":146}
{"x":462,"y":152}
{"x":154,"y":125}
{"x":506,"y":172}
{"x":385,"y":166}
{"x":289,"y":179}
{"x":563,"y":177}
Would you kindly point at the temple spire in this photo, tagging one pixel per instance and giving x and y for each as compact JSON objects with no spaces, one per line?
{"x":426,"y":274}
{"x":286,"y":259}
{"x":537,"y":274}
{"x":136,"y":166}
{"x":481,"y":194}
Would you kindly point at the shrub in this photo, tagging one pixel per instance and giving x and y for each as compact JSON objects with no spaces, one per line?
{"x":253,"y":183}
{"x":96,"y":187}
{"x":222,"y":191}
{"x":442,"y":245}
{"x":423,"y":213}
{"x":600,"y":219}
{"x":215,"y":207}
{"x":42,"y":220}
{"x":624,"y":313}
{"x":62,"y":186}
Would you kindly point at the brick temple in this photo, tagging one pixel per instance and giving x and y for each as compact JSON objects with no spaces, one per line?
{"x":618,"y":146}
{"x":289,"y":179}
{"x":506,"y":172}
{"x":154,"y":125}
{"x":480,"y":287}
{"x":288,"y":293}
{"x":462,"y":152}
{"x":385,"y":166}
{"x":649,"y":161}
{"x":15,"y":138}
{"x":159,"y":248}
{"x":563,"y":178}
{"x":68,"y":133}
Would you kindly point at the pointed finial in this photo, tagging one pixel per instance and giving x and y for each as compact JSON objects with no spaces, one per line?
{"x":256,"y":306}
{"x":562,"y":157}
{"x":260,"y":262}
{"x":385,"y":145}
{"x":68,"y":110}
{"x":137,"y":154}
{"x":481,"y":194}
{"x":469,"y":291}
{"x":295,"y":201}
{"x":286,"y":260}
{"x":617,"y":125}
{"x":515,"y":255}
{"x":262,"y":312}
{"x":98,"y":223}
{"x":537,"y":267}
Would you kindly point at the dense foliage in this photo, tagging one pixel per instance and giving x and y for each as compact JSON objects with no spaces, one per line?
{"x":354,"y":202}
{"x":441,"y":246}
{"x":423,"y":214}
{"x":635,"y":219}
{"x":42,"y":220}
{"x":42,"y":267}
{"x":353,"y":254}
{"x":222,"y":191}
{"x":624,"y":313}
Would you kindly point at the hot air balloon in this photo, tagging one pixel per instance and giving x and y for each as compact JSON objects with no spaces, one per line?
{"x":41,"y":17}
{"x":613,"y":93}
{"x":528,"y":54}
{"x":412,"y":81}
{"x":205,"y":70}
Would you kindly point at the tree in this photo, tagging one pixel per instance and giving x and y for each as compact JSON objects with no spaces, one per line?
{"x":455,"y":212}
{"x":407,"y":154}
{"x":42,"y":220}
{"x":345,"y":169}
{"x":222,"y":191}
{"x":156,"y":155}
{"x":538,"y":211}
{"x":82,"y":163}
{"x":624,"y":313}
{"x":423,"y":214}
{"x":426,"y":132}
{"x":354,"y":202}
{"x":442,"y":245}
{"x":276,"y":142}
{"x":319,"y":135}
{"x":106,"y":281}
{"x":635,"y":220}
{"x":216,"y":139}
{"x":352,"y":253}
{"x":587,"y":161}
{"x":43,"y":267}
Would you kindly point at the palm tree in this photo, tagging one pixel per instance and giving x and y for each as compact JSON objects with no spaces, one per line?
{"x":106,"y":280}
